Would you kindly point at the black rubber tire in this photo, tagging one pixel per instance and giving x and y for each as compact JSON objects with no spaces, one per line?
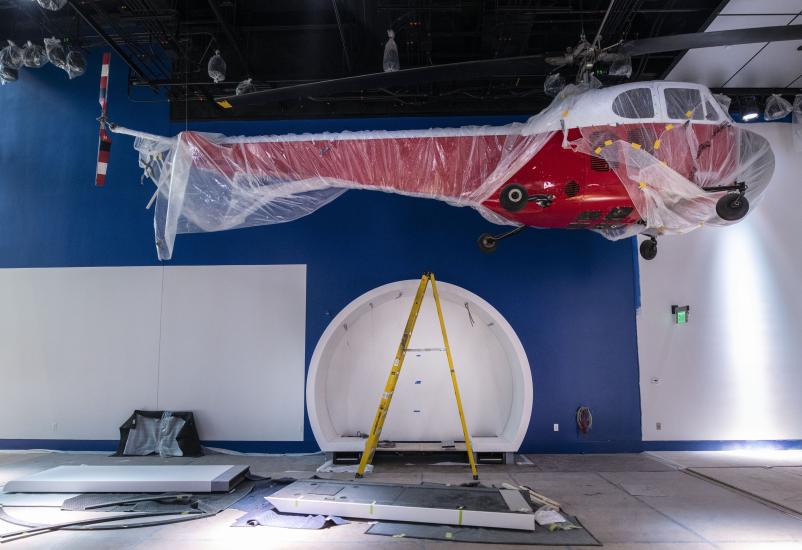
{"x":731,"y":207}
{"x":487,"y":243}
{"x":513,"y":198}
{"x":648,"y":249}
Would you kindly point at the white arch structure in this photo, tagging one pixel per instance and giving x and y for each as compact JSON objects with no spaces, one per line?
{"x":352,"y":359}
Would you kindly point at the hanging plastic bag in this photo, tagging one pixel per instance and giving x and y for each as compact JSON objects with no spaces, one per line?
{"x":796,"y":123}
{"x":8,"y":74}
{"x":52,"y":5}
{"x":391,"y":61}
{"x":33,"y":55}
{"x":724,"y":100}
{"x":777,"y":107}
{"x":217,"y":67}
{"x":245,"y":87}
{"x":76,"y":64}
{"x":55,"y":52}
{"x":11,"y":56}
{"x":554,"y":84}
{"x":621,"y":66}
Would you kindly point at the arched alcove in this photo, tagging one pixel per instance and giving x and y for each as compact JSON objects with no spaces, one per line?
{"x":351,"y":362}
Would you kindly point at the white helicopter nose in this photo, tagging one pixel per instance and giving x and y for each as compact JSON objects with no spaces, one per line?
{"x":755,"y":163}
{"x":749,"y":179}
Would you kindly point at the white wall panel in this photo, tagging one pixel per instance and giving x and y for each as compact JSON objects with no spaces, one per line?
{"x":77,"y":349}
{"x":232,"y":349}
{"x":734,"y":371}
{"x":80,"y":348}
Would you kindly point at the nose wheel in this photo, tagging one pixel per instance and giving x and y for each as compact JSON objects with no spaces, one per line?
{"x":732,"y":207}
{"x":648,"y":249}
{"x":488,"y":243}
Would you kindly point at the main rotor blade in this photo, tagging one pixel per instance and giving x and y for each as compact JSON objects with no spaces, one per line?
{"x":527,"y":65}
{"x":691,"y":41}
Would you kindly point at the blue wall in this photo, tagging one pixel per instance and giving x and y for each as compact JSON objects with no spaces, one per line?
{"x":569,"y":295}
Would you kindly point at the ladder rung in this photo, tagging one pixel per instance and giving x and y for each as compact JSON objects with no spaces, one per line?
{"x":425,"y":349}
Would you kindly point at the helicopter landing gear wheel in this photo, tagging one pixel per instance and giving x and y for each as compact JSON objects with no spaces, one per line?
{"x":487,"y":243}
{"x":732,"y":207}
{"x":513,"y":197}
{"x":648,"y":249}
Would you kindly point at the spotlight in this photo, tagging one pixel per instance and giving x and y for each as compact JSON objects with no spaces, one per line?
{"x":748,"y":107}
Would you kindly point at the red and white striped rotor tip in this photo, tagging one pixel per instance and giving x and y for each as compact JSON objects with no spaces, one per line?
{"x":104,"y":139}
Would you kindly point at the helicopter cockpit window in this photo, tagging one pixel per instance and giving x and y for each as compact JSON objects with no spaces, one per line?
{"x":710,"y":112}
{"x":684,"y":103}
{"x":635,"y":103}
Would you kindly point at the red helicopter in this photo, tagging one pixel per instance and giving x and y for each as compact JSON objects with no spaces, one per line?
{"x":644,"y":157}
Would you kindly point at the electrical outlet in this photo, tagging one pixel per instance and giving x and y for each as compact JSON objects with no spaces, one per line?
{"x":659,"y":426}
{"x":556,"y":427}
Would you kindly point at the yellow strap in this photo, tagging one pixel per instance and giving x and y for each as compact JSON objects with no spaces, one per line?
{"x":608,"y":142}
{"x":598,"y":150}
{"x":669,"y":126}
{"x":657,"y":144}
{"x":635,"y":145}
{"x":459,"y":520}
{"x":224,"y":104}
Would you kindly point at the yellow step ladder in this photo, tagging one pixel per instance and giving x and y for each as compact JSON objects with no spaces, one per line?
{"x":392,"y":379}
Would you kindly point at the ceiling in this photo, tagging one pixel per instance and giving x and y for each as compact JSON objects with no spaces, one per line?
{"x":168,"y":43}
{"x":765,"y":65}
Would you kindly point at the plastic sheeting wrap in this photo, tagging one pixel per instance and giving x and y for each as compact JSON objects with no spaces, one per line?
{"x":796,"y":123}
{"x":209,"y":182}
{"x":670,"y":169}
{"x":212,"y":183}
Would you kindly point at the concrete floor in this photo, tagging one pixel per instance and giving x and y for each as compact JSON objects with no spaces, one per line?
{"x":628,"y":501}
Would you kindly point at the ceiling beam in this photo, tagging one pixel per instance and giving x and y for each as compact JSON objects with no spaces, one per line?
{"x":110,"y":43}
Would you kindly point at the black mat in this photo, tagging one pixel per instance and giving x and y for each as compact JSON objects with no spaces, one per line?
{"x":542,"y":536}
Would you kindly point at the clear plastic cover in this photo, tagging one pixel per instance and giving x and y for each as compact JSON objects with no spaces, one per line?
{"x":11,"y":56}
{"x":33,"y":55}
{"x":391,"y":61}
{"x":55,"y":52}
{"x":621,"y":66}
{"x":245,"y":87}
{"x":724,"y":101}
{"x":796,"y":122}
{"x":777,"y":107}
{"x":76,"y":64}
{"x":670,"y":172}
{"x":553,"y":84}
{"x":155,"y":436}
{"x":7,"y":74}
{"x":52,"y":5}
{"x":217,"y":67}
